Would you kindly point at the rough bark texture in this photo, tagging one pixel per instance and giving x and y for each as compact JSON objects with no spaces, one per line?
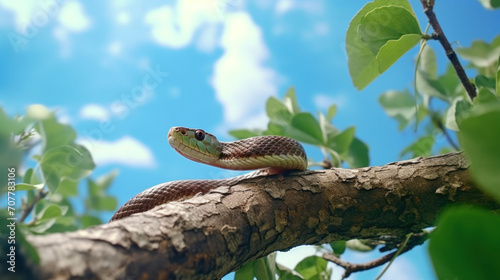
{"x":211,"y":235}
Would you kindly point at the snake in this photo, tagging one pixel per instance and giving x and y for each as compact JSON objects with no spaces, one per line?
{"x":270,"y":154}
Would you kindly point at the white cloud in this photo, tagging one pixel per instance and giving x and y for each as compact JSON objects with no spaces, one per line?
{"x":122,"y":18}
{"x":126,"y":151}
{"x":22,"y":11}
{"x":324,"y":101}
{"x":175,"y":26}
{"x":241,"y":79}
{"x":115,"y":48}
{"x":73,"y":17}
{"x":208,"y":39}
{"x":94,"y":112}
{"x":284,"y":6}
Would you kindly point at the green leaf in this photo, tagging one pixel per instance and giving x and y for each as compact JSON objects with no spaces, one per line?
{"x":286,"y":273}
{"x":24,"y":187}
{"x":490,"y":4}
{"x":327,"y":129}
{"x":394,"y":49}
{"x":304,"y":127}
{"x":89,"y":220}
{"x":462,"y":233}
{"x":52,"y":211}
{"x":451,"y":84}
{"x":363,"y":65}
{"x":27,"y":248}
{"x":55,"y":134}
{"x":98,"y":199}
{"x":428,"y":63}
{"x":462,"y":110}
{"x":498,"y":77}
{"x":486,"y":82}
{"x":420,"y":148}
{"x":42,"y":226}
{"x":104,"y":182}
{"x":480,"y":138}
{"x":357,"y":156}
{"x":68,"y":187}
{"x":338,"y":247}
{"x":457,"y":112}
{"x":9,"y":125}
{"x":313,"y":267}
{"x":480,"y":53}
{"x":398,"y":105}
{"x":275,"y":129}
{"x":71,"y":161}
{"x":63,"y":224}
{"x":102,"y":202}
{"x":331,"y":112}
{"x":341,"y":142}
{"x":291,"y":101}
{"x":263,"y":270}
{"x":485,"y":97}
{"x":27,"y":176}
{"x":381,"y":25}
{"x":446,"y":87}
{"x":244,"y":133}
{"x":430,"y":86}
{"x":277,"y":111}
{"x":246,"y":272}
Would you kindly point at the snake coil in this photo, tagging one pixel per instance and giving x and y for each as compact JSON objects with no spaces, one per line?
{"x":274,"y":153}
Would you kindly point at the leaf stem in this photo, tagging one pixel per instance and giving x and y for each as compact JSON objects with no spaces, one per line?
{"x":450,"y":53}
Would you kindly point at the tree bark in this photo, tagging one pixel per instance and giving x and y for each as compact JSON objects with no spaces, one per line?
{"x":209,"y":236}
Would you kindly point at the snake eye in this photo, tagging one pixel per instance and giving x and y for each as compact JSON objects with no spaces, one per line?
{"x":199,"y":135}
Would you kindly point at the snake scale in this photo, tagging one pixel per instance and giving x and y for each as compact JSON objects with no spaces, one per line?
{"x":273,"y":153}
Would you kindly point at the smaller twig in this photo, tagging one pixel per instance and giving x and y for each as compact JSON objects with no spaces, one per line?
{"x":450,"y":53}
{"x":441,"y":127}
{"x":414,"y":240}
{"x":27,"y":208}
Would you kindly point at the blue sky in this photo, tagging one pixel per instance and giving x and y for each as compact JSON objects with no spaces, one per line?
{"x":124,"y":72}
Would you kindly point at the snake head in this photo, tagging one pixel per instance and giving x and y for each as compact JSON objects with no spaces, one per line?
{"x":195,"y":144}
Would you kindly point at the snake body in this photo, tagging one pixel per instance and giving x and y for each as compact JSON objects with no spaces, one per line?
{"x":274,"y":153}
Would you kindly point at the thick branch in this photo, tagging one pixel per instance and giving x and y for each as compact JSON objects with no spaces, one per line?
{"x":428,"y":6}
{"x":209,"y":236}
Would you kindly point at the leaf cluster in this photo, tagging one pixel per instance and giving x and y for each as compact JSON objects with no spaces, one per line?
{"x":286,"y":119}
{"x":378,"y":35}
{"x":50,"y":166}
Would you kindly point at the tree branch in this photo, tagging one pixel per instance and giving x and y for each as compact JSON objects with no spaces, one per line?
{"x":428,"y":6}
{"x":415,"y":240}
{"x":208,"y":236}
